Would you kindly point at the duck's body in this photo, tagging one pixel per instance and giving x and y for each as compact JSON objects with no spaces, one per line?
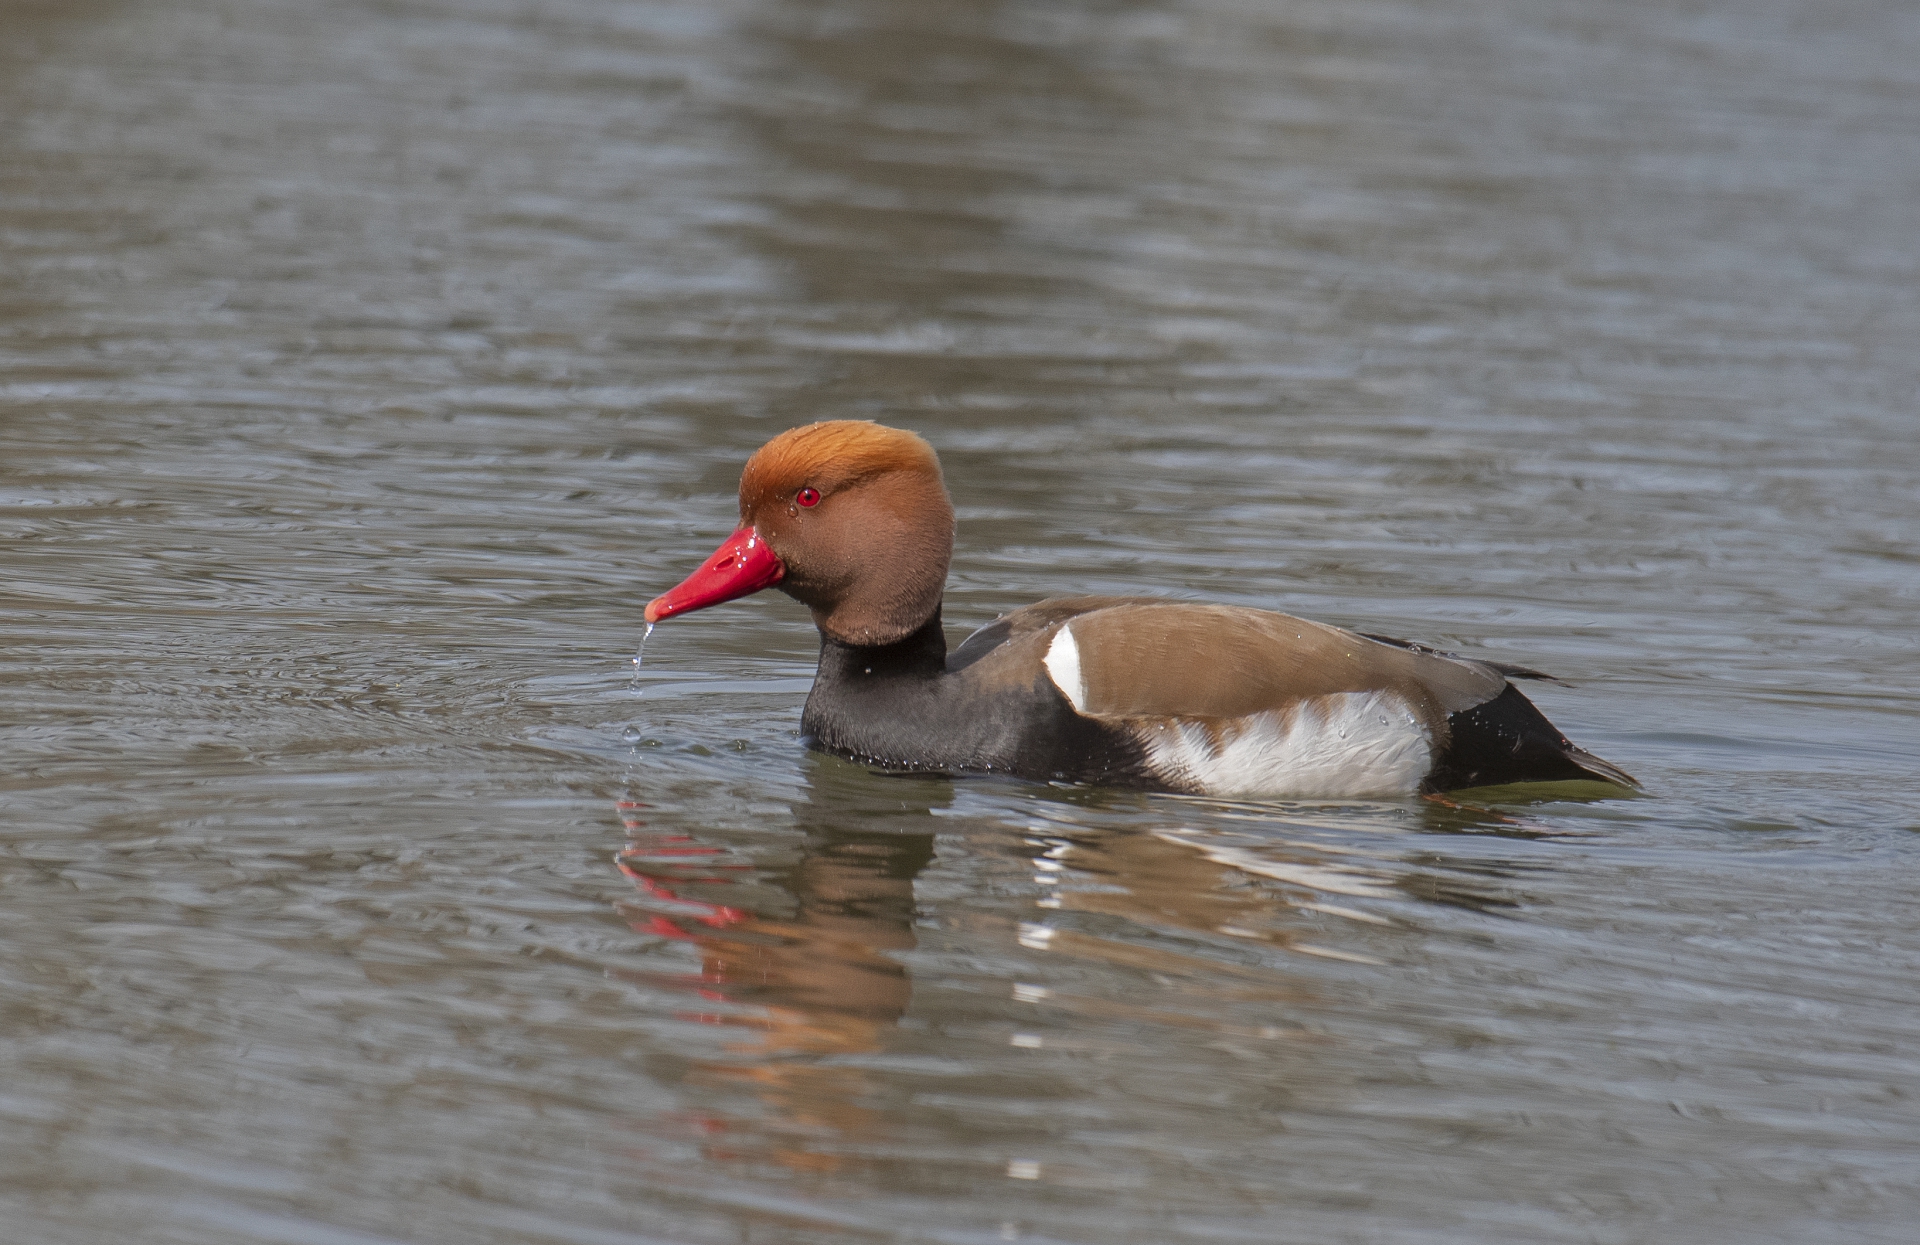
{"x":1236,"y":702}
{"x":1131,"y":691}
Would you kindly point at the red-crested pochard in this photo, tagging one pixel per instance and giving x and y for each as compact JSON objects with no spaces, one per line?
{"x":852,"y":519}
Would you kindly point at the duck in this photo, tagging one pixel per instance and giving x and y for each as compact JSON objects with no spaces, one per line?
{"x":852,"y":519}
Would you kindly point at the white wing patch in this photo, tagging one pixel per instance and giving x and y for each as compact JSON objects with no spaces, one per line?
{"x":1350,"y":745}
{"x":1063,"y":667}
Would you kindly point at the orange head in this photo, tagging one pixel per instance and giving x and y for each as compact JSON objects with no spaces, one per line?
{"x":848,"y":517}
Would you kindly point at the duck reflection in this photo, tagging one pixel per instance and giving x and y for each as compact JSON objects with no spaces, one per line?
{"x":805,"y":953}
{"x":1303,"y":879}
{"x":800,"y":950}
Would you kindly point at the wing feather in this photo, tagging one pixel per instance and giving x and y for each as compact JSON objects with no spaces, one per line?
{"x":1180,"y":659}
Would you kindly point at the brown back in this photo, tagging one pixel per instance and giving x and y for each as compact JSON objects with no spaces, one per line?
{"x":1142,"y":657}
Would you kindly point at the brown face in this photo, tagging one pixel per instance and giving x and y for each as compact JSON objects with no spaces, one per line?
{"x":850,"y":518}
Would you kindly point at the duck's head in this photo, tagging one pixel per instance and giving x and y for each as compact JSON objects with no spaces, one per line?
{"x":849,"y":518}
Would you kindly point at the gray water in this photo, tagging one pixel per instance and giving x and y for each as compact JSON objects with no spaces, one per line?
{"x":365,"y":367}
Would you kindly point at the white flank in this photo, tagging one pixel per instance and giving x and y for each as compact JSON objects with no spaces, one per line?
{"x":1063,"y":667}
{"x":1346,"y":746}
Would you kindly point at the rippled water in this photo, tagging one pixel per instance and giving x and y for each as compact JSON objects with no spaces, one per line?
{"x":364,"y":368}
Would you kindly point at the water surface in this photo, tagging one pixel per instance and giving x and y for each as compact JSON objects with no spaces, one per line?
{"x":364,"y":368}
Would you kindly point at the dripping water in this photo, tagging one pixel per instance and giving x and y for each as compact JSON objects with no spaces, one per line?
{"x":638,"y":654}
{"x":632,"y":733}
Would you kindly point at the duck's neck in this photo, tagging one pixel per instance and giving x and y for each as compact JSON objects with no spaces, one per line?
{"x":880,"y":702}
{"x":921,"y":655}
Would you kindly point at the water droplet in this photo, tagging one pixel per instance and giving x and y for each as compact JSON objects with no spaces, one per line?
{"x":631,"y":735}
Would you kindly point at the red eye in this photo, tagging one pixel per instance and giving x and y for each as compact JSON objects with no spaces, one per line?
{"x":808,"y":496}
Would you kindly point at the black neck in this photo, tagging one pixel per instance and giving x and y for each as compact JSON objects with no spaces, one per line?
{"x":921,"y":655}
{"x":880,"y":702}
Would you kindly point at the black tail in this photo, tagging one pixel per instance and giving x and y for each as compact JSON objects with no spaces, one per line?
{"x":1507,"y":740}
{"x":1512,"y":672}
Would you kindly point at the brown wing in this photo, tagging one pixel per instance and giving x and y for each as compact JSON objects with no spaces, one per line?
{"x":1177,"y":659}
{"x":1018,"y":624}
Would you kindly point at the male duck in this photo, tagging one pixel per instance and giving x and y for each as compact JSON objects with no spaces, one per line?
{"x":853,"y":520}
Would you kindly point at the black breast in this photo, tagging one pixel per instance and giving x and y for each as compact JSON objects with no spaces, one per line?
{"x":907,"y":707}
